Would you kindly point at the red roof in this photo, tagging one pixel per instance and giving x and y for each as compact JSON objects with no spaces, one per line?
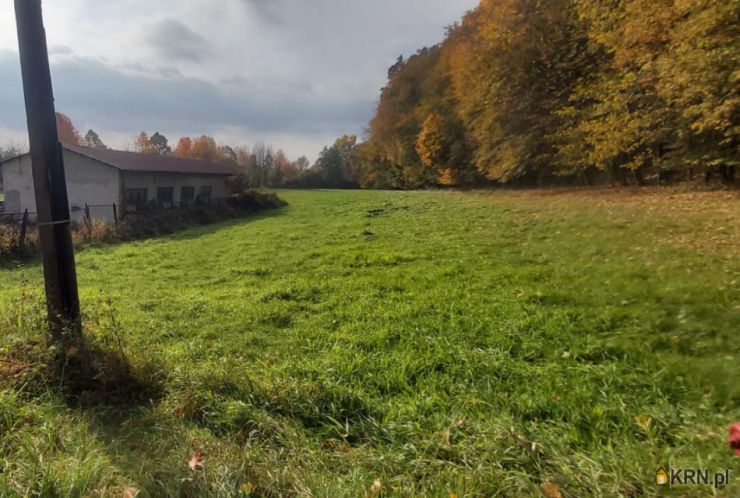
{"x":132,"y":161}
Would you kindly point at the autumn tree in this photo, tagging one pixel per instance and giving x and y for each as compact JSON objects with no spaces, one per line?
{"x":205,"y":148}
{"x":68,"y":134}
{"x":184,"y":148}
{"x":290,"y":173}
{"x":700,"y":80}
{"x":143,"y":144}
{"x":280,"y":165}
{"x":523,"y":90}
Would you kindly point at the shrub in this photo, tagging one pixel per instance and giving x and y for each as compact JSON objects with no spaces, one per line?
{"x":147,"y":223}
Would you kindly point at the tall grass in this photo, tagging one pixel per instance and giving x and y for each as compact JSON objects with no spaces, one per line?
{"x":392,"y":344}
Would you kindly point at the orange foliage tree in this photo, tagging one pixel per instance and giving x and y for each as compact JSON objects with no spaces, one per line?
{"x":206,"y":149}
{"x":184,"y":148}
{"x":144,"y":145}
{"x":68,"y":134}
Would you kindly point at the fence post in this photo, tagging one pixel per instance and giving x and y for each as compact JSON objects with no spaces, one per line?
{"x":24,"y":229}
{"x":115,"y":215}
{"x":89,"y":221}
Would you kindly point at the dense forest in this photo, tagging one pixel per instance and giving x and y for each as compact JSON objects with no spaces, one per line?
{"x":539,"y":92}
{"x":532,"y":92}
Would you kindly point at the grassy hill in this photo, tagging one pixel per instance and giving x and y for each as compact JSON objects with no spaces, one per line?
{"x":395,"y":344}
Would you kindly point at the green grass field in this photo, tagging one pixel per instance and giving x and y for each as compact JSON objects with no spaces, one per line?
{"x":400,"y":344}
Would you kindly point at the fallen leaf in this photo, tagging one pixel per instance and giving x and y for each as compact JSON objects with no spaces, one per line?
{"x":644,"y":421}
{"x":247,"y":487}
{"x":130,"y":493}
{"x":196,"y":460}
{"x":446,"y":435}
{"x":556,"y":398}
{"x":551,"y":491}
{"x":734,"y":438}
{"x":377,"y":485}
{"x":73,"y":352}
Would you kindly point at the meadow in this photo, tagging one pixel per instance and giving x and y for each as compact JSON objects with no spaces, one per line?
{"x":379,"y":343}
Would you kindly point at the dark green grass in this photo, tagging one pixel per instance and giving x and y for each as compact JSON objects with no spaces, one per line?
{"x":441,"y":344}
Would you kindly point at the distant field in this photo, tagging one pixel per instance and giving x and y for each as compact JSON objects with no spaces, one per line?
{"x":405,"y":344}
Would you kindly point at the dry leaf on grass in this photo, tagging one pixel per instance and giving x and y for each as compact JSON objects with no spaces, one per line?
{"x":377,"y":485}
{"x":644,"y":421}
{"x":195,"y":461}
{"x":130,"y":493}
{"x":549,"y":490}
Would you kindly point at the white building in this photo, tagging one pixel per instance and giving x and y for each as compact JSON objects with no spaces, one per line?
{"x":101,"y":177}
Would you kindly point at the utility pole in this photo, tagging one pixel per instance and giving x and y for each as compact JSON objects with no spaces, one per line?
{"x":52,"y":207}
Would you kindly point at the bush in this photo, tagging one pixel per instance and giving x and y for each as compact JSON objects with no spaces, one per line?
{"x":148,"y":223}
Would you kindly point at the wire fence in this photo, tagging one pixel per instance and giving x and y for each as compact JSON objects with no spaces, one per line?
{"x":21,"y":222}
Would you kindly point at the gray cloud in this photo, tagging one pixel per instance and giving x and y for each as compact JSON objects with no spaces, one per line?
{"x":176,"y":41}
{"x":121,"y":99}
{"x":265,"y":10}
{"x":297,"y":72}
{"x":60,"y":50}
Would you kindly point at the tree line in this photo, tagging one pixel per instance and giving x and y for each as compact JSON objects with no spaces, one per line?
{"x":538,"y":92}
{"x":257,"y":166}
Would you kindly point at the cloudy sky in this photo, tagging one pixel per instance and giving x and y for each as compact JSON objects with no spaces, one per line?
{"x":295,"y":73}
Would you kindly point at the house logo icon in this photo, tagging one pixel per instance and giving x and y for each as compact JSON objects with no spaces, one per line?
{"x":662,"y":477}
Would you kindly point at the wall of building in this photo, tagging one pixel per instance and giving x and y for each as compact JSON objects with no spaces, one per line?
{"x":152,"y":181}
{"x":88,"y":182}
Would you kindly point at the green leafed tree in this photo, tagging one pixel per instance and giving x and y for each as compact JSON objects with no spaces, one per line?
{"x":93,"y":140}
{"x":160,"y":144}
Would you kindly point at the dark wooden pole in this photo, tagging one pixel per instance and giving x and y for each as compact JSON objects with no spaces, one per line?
{"x":24,"y":229}
{"x":50,"y":186}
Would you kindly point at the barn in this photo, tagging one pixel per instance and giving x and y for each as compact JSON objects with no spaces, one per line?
{"x":100,"y":178}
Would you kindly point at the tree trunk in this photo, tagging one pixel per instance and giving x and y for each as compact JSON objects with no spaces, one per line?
{"x":638,"y":177}
{"x":727,"y":173}
{"x":622,"y":176}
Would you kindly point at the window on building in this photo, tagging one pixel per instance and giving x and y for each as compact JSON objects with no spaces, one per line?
{"x":136,"y":195}
{"x":165,"y":195}
{"x":187,"y":194}
{"x":205,"y":193}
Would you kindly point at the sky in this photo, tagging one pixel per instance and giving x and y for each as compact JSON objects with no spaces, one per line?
{"x":295,"y":73}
